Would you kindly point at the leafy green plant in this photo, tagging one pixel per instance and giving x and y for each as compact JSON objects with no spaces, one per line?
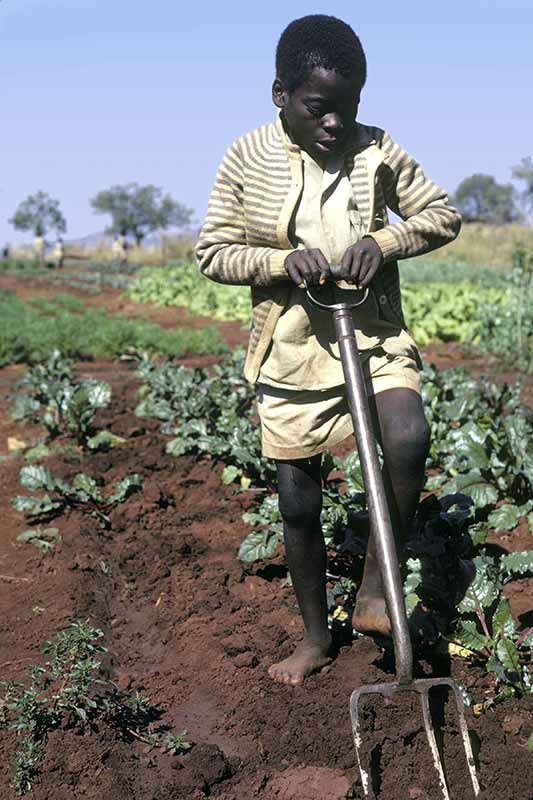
{"x":481,"y":443}
{"x":209,"y":412}
{"x":447,"y":312}
{"x":52,"y":396}
{"x":70,"y":692}
{"x":183,"y":285}
{"x":82,"y":492}
{"x":486,"y":627}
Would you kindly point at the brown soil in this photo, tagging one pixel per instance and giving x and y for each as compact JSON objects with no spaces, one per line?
{"x":195,"y":630}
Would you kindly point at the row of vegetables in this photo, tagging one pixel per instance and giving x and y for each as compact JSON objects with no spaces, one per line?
{"x":480,"y":479}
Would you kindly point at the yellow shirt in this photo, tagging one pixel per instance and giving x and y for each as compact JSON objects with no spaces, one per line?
{"x":304,"y":353}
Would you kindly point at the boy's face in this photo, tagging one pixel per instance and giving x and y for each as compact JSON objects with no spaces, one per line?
{"x":320,"y":112}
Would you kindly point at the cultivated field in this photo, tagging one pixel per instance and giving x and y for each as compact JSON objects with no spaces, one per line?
{"x":141,"y":521}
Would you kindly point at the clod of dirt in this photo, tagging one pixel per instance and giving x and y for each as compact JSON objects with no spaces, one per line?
{"x":204,"y":767}
{"x":248,"y":660}
{"x":310,"y":783}
{"x":235,"y":644}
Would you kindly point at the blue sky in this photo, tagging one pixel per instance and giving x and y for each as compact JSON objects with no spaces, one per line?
{"x":98,"y":93}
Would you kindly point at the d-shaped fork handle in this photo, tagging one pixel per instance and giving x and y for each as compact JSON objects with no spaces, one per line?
{"x":336,"y":306}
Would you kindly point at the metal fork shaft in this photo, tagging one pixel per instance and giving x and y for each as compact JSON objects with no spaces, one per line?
{"x":380,"y":522}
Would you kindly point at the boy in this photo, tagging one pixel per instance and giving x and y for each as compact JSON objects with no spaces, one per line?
{"x":290,"y":199}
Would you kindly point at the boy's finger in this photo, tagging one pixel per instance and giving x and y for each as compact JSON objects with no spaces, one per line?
{"x":346,"y":262}
{"x":294,"y":275}
{"x":323,"y":266}
{"x":366,"y":264}
{"x":355,"y":267}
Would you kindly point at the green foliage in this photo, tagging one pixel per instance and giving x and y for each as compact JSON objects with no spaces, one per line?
{"x":437,"y":269}
{"x":447,"y":312}
{"x":481,"y":442}
{"x":176,"y":743}
{"x":71,"y":692}
{"x":508,"y":328}
{"x":486,"y":626}
{"x":140,"y":210}
{"x":208,"y":412}
{"x":480,"y":198}
{"x":184,"y":285}
{"x":83,"y":492}
{"x":267,"y":531}
{"x":442,"y":302}
{"x":39,"y":213}
{"x":64,"y":405}
{"x":19,"y":265}
{"x":29,"y":335}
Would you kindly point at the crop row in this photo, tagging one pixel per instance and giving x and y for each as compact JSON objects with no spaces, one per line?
{"x":481,"y":466}
{"x":30,"y":332}
{"x":494,"y":313}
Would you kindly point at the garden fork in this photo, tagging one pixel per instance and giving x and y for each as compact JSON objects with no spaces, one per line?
{"x":381,"y":528}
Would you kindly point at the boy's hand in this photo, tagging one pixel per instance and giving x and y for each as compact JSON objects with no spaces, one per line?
{"x":361,"y":261}
{"x":307,"y":266}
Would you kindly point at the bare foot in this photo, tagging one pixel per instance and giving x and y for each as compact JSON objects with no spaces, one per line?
{"x":308,"y":657}
{"x":370,"y":615}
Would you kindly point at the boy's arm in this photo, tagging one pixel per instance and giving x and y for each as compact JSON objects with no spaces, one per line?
{"x":429,"y":221}
{"x":221,"y":252}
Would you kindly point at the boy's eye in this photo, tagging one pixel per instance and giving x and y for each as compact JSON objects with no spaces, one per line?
{"x":315,"y":111}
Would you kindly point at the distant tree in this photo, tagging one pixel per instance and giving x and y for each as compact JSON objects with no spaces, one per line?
{"x":481,"y":199}
{"x":524,"y":172}
{"x":39,"y":213}
{"x":140,"y":210}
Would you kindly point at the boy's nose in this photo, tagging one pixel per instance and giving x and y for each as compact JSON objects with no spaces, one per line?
{"x":332,"y":123}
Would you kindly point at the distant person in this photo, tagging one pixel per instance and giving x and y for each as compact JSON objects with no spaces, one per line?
{"x":292,"y":199}
{"x":38,"y":247}
{"x":58,"y":253}
{"x":6,"y":252}
{"x":119,"y":249}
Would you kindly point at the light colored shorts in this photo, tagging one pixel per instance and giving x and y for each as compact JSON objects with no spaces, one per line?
{"x":302,"y":424}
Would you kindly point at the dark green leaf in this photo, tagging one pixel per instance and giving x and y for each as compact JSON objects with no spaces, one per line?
{"x":259,"y":545}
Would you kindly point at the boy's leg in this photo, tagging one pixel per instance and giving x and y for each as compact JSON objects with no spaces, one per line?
{"x":300,"y":502}
{"x":402,"y":429}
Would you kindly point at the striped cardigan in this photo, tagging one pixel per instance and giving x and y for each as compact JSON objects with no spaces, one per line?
{"x":245,"y":236}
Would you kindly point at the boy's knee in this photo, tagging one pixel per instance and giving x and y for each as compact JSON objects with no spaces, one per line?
{"x":408,"y":439}
{"x":300,"y":508}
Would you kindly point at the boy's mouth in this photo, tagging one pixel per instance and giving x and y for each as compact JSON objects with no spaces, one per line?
{"x":328,"y":144}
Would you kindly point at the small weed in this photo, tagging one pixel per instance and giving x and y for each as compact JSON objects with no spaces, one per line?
{"x":69,"y":692}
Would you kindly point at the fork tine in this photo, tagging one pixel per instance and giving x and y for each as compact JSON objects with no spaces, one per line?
{"x":465,"y":736}
{"x":430,"y":733}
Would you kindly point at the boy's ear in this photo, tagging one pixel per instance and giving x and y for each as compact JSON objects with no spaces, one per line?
{"x":279,"y":95}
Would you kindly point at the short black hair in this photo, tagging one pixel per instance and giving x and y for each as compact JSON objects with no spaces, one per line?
{"x":318,"y":40}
